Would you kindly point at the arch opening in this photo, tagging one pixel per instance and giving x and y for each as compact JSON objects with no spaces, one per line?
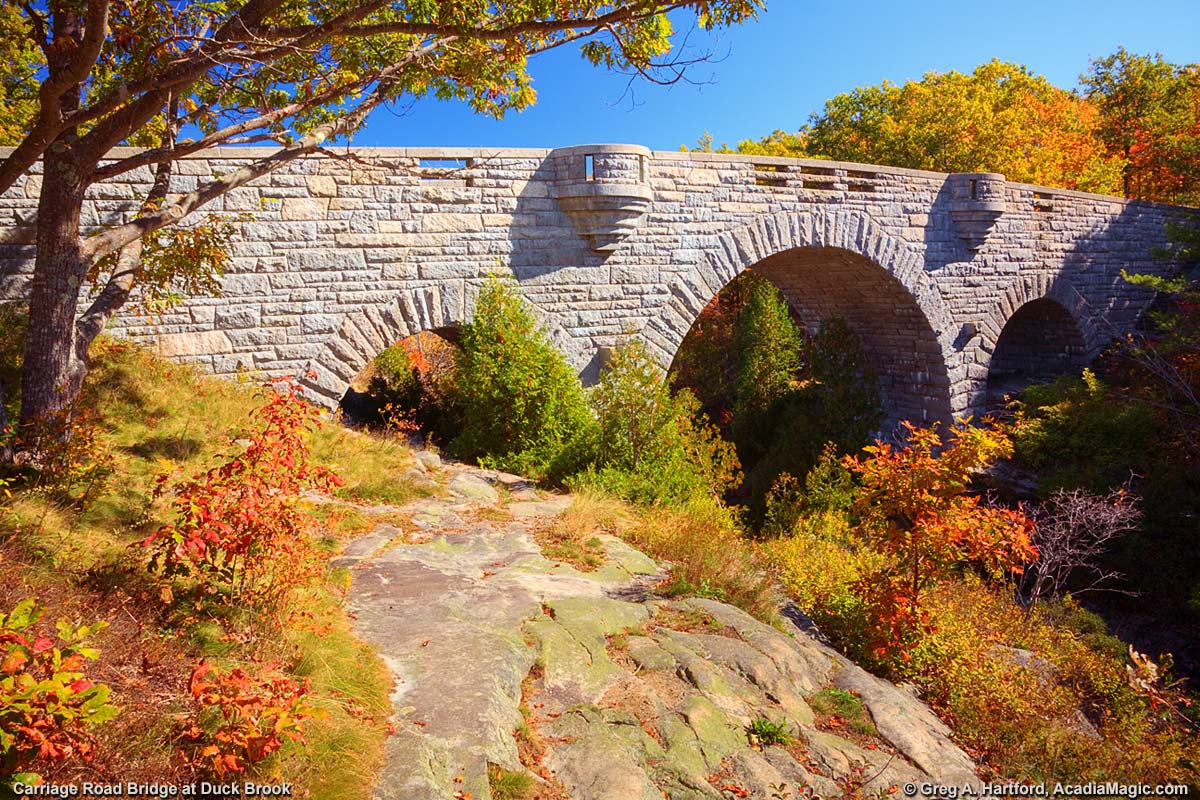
{"x":897,"y":338}
{"x":868,"y":358}
{"x":404,"y":387}
{"x":1038,"y":343}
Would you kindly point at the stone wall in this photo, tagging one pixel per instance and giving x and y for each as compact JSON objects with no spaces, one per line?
{"x":345,"y":255}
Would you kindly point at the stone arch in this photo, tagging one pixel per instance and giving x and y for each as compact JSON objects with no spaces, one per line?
{"x":1041,"y":327}
{"x":365,"y":333}
{"x":1049,"y":287}
{"x":834,"y":261}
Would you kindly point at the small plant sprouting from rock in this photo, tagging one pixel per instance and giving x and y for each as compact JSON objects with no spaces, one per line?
{"x":507,"y":784}
{"x":764,"y":732}
{"x":846,"y":708}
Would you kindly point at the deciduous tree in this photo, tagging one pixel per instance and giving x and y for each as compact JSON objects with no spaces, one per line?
{"x":999,"y":118}
{"x":1149,"y":116}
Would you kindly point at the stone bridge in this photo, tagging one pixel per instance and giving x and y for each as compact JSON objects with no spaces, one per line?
{"x":952,"y":281}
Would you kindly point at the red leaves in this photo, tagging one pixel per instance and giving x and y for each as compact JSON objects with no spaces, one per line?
{"x":239,"y":533}
{"x":915,"y":509}
{"x":249,"y":716}
{"x":47,"y":703}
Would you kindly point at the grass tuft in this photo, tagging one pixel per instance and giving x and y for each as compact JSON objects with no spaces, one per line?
{"x":507,"y":784}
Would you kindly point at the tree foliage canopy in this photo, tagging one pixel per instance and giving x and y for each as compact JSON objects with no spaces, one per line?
{"x":1133,"y":130}
{"x":1150,"y":116}
{"x":999,"y":118}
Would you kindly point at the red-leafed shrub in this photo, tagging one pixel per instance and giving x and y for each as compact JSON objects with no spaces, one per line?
{"x":914,"y":509}
{"x":47,"y":701}
{"x":241,"y":718}
{"x":240,"y":534}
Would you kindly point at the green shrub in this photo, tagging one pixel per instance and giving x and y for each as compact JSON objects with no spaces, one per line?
{"x":522,"y":406}
{"x":651,"y":447}
{"x":849,"y":392}
{"x":1085,"y":433}
{"x":838,"y":403}
{"x":48,"y":704}
{"x":770,"y":349}
{"x":396,"y":375}
{"x":1076,"y":434}
{"x":828,"y":487}
{"x":766,"y":732}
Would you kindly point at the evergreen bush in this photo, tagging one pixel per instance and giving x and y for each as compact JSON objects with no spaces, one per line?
{"x":521,"y":404}
{"x":650,"y":446}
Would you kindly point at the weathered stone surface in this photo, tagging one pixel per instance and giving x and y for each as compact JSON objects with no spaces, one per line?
{"x":430,"y":459}
{"x":473,"y":487}
{"x":630,"y":708}
{"x":951,"y":294}
{"x":180,"y":345}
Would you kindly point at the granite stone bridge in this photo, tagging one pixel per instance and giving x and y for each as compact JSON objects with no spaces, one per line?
{"x":954,"y":282}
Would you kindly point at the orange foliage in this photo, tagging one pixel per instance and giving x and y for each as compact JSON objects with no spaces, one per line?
{"x":914,"y":509}
{"x":254,"y":716}
{"x":240,"y":534}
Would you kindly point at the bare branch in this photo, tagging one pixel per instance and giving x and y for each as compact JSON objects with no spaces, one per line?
{"x":39,"y":29}
{"x":1074,"y":532}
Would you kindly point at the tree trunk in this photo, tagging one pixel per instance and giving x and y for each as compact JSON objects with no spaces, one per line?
{"x":52,"y":374}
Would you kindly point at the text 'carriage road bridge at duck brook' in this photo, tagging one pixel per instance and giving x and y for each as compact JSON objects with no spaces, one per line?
{"x":952,"y":281}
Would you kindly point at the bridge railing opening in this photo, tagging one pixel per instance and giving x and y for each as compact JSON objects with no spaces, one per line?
{"x":821,"y":179}
{"x":442,"y":169}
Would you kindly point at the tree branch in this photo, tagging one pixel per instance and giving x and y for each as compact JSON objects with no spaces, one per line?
{"x":129,"y":266}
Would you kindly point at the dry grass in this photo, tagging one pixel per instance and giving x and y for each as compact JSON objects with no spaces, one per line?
{"x":147,"y":671}
{"x":84,"y":563}
{"x":573,"y":537}
{"x":708,"y":557}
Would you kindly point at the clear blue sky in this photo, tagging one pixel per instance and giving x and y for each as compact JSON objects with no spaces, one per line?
{"x":773,"y":73}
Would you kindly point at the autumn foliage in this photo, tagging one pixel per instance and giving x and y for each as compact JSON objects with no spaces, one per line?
{"x":239,"y":534}
{"x":241,"y":718}
{"x":1133,"y":130}
{"x":915,"y":510}
{"x":47,"y":701}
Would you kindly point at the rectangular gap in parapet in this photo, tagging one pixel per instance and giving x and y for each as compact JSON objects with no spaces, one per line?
{"x":1043,"y":202}
{"x":440,"y":169}
{"x":827,"y":185}
{"x":770,"y":175}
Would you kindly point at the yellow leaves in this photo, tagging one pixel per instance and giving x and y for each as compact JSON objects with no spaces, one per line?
{"x":1000,"y":118}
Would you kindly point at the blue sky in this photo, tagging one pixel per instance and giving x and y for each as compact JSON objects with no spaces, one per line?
{"x":773,"y":73}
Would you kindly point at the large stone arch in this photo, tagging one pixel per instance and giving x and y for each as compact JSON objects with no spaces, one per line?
{"x":365,"y":333}
{"x":810,"y":252}
{"x":1045,"y":319}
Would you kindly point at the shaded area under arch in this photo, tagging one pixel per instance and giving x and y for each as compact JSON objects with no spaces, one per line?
{"x":835,"y":262}
{"x":900,"y":344}
{"x":431,"y":354}
{"x":1039,"y":342}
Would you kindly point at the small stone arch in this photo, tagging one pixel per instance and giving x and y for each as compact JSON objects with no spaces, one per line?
{"x":862,"y":249}
{"x":1041,"y":327}
{"x":365,"y":333}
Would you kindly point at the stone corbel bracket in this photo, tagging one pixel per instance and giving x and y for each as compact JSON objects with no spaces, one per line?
{"x":976,"y":202}
{"x":604,"y":189}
